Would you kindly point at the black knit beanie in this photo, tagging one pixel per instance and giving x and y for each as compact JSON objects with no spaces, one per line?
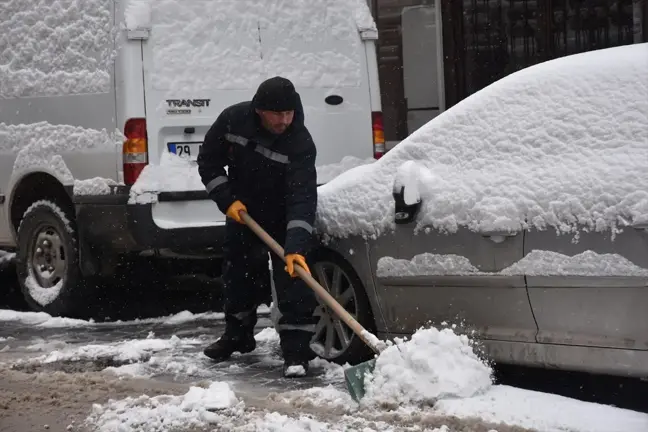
{"x":276,"y":94}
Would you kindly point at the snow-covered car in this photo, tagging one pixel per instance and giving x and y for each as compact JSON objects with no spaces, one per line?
{"x":104,"y":105}
{"x":520,"y":214}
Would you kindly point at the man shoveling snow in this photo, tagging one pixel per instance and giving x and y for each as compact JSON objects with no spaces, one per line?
{"x":271,"y":176}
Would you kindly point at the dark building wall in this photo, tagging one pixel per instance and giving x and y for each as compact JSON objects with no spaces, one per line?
{"x":486,"y":40}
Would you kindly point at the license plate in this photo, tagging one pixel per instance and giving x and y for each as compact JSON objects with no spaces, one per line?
{"x":186,"y":149}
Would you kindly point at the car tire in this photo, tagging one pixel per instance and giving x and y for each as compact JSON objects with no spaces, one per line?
{"x":352,"y":295}
{"x":48,"y":260}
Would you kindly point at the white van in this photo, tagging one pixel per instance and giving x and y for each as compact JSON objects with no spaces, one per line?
{"x":104,"y":104}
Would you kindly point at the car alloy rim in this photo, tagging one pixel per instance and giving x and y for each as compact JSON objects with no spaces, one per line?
{"x":48,"y":257}
{"x":332,"y":336}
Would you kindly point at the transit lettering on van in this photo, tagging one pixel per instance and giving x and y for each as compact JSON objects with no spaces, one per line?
{"x":198,"y":103}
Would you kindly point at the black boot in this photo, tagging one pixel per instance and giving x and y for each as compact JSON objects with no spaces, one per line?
{"x":295,"y":347}
{"x":224,"y":347}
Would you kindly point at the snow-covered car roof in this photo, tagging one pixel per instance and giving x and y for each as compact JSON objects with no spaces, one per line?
{"x":559,"y":144}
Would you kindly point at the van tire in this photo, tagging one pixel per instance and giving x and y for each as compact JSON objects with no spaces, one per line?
{"x":48,"y":260}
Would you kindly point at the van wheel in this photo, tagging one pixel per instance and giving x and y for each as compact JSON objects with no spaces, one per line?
{"x":333,"y":340}
{"x":48,"y":263}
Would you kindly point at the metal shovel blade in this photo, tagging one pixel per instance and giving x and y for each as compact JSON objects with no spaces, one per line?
{"x":354,"y":377}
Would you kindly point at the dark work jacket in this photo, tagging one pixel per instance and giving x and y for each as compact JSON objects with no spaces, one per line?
{"x":273,"y":175}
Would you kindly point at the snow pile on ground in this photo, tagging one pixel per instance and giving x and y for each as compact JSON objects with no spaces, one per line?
{"x":214,"y":405}
{"x":174,"y":173}
{"x":557,"y":144}
{"x":434,"y":364}
{"x":436,"y":380}
{"x":183,"y":360}
{"x":331,"y":397}
{"x":43,"y":144}
{"x":43,"y":319}
{"x":218,"y":408}
{"x":55,"y":48}
{"x":326,"y":173}
{"x":128,"y":351}
{"x":243,"y":42}
{"x":535,"y":263}
{"x":543,"y":412}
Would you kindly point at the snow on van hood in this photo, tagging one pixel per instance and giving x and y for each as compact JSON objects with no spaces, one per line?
{"x":559,"y":144}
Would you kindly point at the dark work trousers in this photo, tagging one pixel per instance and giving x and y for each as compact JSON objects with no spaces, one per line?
{"x":246,"y":279}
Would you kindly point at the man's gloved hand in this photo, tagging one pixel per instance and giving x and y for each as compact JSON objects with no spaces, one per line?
{"x":291,"y":260}
{"x":234,"y":209}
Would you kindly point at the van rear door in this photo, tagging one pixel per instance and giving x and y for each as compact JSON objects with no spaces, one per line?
{"x":319,"y":48}
{"x":202,"y":56}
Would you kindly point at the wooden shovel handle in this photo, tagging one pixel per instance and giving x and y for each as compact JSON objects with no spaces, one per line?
{"x":313,"y":284}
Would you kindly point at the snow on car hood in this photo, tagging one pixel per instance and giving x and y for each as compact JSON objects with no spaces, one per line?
{"x":559,"y":144}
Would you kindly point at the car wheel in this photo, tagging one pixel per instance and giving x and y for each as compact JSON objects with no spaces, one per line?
{"x":47,"y":264}
{"x":333,"y":340}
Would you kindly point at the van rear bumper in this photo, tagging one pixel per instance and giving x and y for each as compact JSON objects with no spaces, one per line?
{"x":110,"y":222}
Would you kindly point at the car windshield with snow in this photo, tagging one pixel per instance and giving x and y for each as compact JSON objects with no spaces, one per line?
{"x":519,"y":214}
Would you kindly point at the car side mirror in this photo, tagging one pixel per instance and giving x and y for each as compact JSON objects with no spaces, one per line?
{"x":406,"y":191}
{"x":404,"y":213}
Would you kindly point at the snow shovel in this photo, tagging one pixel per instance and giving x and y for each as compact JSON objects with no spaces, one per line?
{"x":354,"y":376}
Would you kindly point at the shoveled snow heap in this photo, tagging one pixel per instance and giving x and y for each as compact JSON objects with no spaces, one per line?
{"x":198,"y":407}
{"x":434,"y":364}
{"x":557,"y":144}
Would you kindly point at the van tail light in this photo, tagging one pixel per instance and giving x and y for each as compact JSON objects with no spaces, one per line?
{"x":378,"y":134}
{"x":135,"y":149}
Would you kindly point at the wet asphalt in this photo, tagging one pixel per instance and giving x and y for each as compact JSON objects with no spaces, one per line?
{"x":125,"y":311}
{"x":141,"y":299}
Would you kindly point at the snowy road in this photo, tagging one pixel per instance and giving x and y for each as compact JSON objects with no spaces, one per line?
{"x":86,"y":376}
